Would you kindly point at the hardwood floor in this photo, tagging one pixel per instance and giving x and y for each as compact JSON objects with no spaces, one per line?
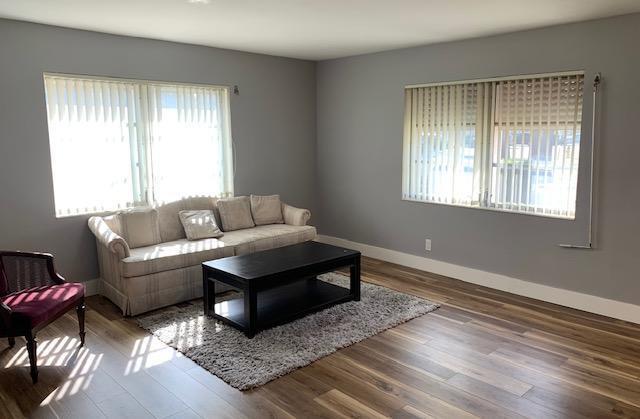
{"x":484,"y":353}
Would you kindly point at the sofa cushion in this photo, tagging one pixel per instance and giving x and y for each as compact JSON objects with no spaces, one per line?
{"x":267,"y":237}
{"x":235,"y":213}
{"x":140,"y":227}
{"x":266,"y":209}
{"x":173,"y":255}
{"x":199,"y":224}
{"x":34,"y":306}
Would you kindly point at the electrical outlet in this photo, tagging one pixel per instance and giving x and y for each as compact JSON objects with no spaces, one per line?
{"x":427,"y":245}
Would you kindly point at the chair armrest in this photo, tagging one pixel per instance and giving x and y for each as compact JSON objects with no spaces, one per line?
{"x":108,"y":238}
{"x":295,"y":216}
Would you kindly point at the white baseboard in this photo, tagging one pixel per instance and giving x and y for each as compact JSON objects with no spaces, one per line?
{"x":92,"y":287}
{"x":573,"y":299}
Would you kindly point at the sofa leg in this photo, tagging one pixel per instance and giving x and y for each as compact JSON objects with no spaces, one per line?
{"x":32,"y":348}
{"x":80,"y":311}
{"x":12,"y":341}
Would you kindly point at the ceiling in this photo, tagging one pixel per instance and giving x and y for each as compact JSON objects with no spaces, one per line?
{"x":311,"y":29}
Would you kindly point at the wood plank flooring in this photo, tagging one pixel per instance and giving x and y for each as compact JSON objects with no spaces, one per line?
{"x":484,"y":353}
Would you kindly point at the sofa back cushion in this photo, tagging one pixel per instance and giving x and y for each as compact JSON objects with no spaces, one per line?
{"x":140,"y":227}
{"x":235,"y":213}
{"x":169,"y":220}
{"x":266,"y":209}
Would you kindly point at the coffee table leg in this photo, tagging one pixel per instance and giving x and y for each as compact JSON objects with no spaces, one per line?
{"x":250,"y":312}
{"x":205,"y":289}
{"x":354,"y":272}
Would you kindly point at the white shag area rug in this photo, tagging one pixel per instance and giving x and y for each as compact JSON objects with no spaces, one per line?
{"x":246,"y":363}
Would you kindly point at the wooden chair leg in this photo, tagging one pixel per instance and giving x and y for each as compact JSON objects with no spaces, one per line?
{"x":80,"y":310}
{"x":12,"y":341}
{"x":32,"y":348}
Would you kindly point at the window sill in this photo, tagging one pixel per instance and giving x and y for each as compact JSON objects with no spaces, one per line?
{"x":499,"y":210}
{"x":103,"y":212}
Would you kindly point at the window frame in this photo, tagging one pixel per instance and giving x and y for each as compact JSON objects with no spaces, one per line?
{"x":487,"y":148}
{"x":142,"y":155}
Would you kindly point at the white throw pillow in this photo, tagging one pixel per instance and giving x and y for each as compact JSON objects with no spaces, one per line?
{"x":199,"y":224}
{"x":235,"y":213}
{"x":266,"y":209}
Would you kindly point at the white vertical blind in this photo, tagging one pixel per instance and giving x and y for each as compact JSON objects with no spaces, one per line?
{"x":188,"y":129}
{"x":508,"y":144}
{"x":91,"y":132}
{"x":118,"y":144}
{"x":442,"y":158}
{"x":536,"y":145}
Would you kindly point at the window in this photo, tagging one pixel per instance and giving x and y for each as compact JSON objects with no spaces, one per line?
{"x":123,"y":143}
{"x":510,"y":144}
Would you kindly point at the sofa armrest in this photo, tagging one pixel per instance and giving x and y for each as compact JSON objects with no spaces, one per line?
{"x":295,"y":216}
{"x":108,"y":238}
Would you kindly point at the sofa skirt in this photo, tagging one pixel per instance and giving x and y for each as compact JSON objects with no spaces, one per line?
{"x":150,"y":292}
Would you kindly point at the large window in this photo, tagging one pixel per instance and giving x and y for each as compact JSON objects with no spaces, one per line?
{"x":510,"y":144}
{"x":123,"y":143}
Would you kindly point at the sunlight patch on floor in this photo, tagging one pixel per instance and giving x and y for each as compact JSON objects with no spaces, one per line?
{"x":149,"y":352}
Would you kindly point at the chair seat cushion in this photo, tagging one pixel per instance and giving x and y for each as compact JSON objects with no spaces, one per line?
{"x":35,"y":306}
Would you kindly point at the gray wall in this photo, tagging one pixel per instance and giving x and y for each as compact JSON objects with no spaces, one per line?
{"x":359,"y":158}
{"x":273,"y":123}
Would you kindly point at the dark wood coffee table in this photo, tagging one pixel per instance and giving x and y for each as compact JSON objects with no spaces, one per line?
{"x":278,"y":285}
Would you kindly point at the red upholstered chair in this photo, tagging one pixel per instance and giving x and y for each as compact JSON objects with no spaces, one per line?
{"x":32,"y":295}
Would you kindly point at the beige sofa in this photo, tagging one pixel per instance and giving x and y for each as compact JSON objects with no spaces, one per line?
{"x":168,"y":272}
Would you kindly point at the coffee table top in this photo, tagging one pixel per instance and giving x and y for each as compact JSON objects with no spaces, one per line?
{"x":274,"y":261}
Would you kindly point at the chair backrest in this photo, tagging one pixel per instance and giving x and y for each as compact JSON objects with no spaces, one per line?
{"x":19,"y":272}
{"x":4,"y":284}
